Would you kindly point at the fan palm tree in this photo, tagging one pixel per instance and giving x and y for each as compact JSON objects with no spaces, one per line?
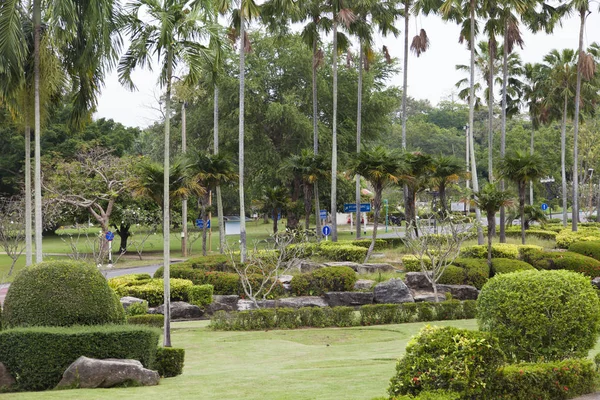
{"x":275,"y":200}
{"x":416,"y":176}
{"x":520,"y":168}
{"x":381,"y":168}
{"x":171,"y":30}
{"x":446,"y":169}
{"x":369,"y":13}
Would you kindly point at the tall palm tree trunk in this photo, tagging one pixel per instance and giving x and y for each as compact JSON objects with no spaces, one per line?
{"x":166,"y":207}
{"x":205,"y":201}
{"x":184,"y":202}
{"x":216,"y":151}
{"x":522,"y":188}
{"x":503,"y":127}
{"x":315,"y":135}
{"x":563,"y":168}
{"x":28,"y":219}
{"x":471,"y":118}
{"x":307,"y":204}
{"x":531,"y":153}
{"x":575,"y":207}
{"x":492,"y":56}
{"x":37,"y":26}
{"x":376,"y":212}
{"x":405,"y":90}
{"x":334,"y":138}
{"x":243,"y":250}
{"x":491,"y":230}
{"x":358,"y":133}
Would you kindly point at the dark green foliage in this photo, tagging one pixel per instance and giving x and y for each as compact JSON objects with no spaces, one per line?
{"x":322,"y":280}
{"x":469,"y":308}
{"x":563,"y":260}
{"x":380,"y":244}
{"x":431,"y":395}
{"x":477,"y":271}
{"x":153,"y":291}
{"x":548,"y":315}
{"x":200,"y":295}
{"x":169,"y":361}
{"x":448,"y":310}
{"x":213,"y":262}
{"x":507,"y":265}
{"x":156,"y":320}
{"x":61,"y":293}
{"x":342,"y":252}
{"x":545,"y":381}
{"x":448,"y":358}
{"x":453,"y":275}
{"x":425,"y":312}
{"x":379,"y":314}
{"x":590,"y":249}
{"x":137,"y":309}
{"x":38,"y":356}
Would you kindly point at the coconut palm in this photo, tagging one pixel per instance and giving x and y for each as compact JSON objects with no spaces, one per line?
{"x":381,"y":168}
{"x":520,"y":168}
{"x":173,"y":31}
{"x":446,"y":169}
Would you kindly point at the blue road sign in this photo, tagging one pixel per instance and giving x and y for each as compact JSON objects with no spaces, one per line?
{"x":110,"y":236}
{"x":326,"y":230}
{"x":351,"y":207}
{"x":323,"y":214}
{"x":544,"y":206}
{"x":200,"y":223}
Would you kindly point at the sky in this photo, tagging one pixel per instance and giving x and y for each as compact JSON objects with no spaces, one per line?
{"x":431,"y":76}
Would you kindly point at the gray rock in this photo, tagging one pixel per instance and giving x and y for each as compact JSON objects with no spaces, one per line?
{"x":350,"y":264}
{"x":179,"y":310}
{"x":128,"y":300}
{"x":373,"y":268}
{"x":245,"y":305}
{"x":223,"y":302}
{"x":91,"y":373}
{"x":285,"y":279}
{"x":392,"y":291}
{"x":427,"y":297}
{"x":302,"y":301}
{"x":335,"y":299}
{"x":6,"y":379}
{"x":460,"y":292}
{"x":308,"y":266}
{"x":363,"y":284}
{"x":596,"y":282}
{"x":417,"y":281}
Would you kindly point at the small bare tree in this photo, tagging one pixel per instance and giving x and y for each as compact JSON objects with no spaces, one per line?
{"x":12,"y":228}
{"x":261,"y":272}
{"x":440,"y":248}
{"x":86,"y":245}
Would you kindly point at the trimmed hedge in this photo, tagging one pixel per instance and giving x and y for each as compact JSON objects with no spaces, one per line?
{"x":322,"y":280}
{"x":545,"y":381}
{"x":507,"y":265}
{"x":453,"y":275}
{"x":447,"y":358}
{"x":200,"y":295}
{"x":153,"y":290}
{"x":169,"y":361}
{"x":564,"y":260}
{"x":566,"y":237}
{"x":589,"y":249}
{"x":430,"y":395}
{"x":548,"y":315}
{"x":542,"y":234}
{"x":342,"y":252}
{"x":380,"y":244}
{"x":155,"y":320}
{"x":38,"y":356}
{"x":411,"y":263}
{"x":499,"y":250}
{"x":61,"y":293}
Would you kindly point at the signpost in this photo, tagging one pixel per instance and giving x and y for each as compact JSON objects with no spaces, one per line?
{"x":545,"y":207}
{"x":200,"y":223}
{"x":326,"y":231}
{"x":109,"y":237}
{"x":323,"y":214}
{"x":351,"y":207}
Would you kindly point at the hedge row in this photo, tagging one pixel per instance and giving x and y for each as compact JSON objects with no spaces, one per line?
{"x":152,"y":290}
{"x":372,"y":314}
{"x":499,"y":250}
{"x":542,"y":234}
{"x":155,"y":320}
{"x":322,"y":280}
{"x":564,"y":260}
{"x":589,"y":249}
{"x":37,"y":357}
{"x":566,"y":237}
{"x":342,"y":252}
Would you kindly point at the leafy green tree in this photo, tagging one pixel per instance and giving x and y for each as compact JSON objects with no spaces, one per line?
{"x":416,"y":175}
{"x":490,"y":199}
{"x":446,"y":169}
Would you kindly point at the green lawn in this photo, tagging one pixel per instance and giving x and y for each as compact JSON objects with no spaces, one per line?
{"x":340,"y":363}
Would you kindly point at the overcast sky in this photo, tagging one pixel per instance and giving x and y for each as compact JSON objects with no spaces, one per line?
{"x":432,"y":76}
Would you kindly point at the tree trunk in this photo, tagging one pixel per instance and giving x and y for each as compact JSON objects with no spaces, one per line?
{"x":563,"y":163}
{"x":358,"y":133}
{"x":471,"y":118}
{"x":216,"y":151}
{"x":124,"y":233}
{"x":405,"y":91}
{"x":531,"y":153}
{"x":442,"y":192}
{"x":37,"y":26}
{"x":503,"y":127}
{"x":376,"y":212}
{"x":307,"y":204}
{"x":28,"y":219}
{"x":243,"y":249}
{"x":492,"y":55}
{"x":522,"y":186}
{"x":184,"y":202}
{"x":315,"y":135}
{"x":203,"y":215}
{"x":274,"y":215}
{"x":166,"y":207}
{"x":491,"y":219}
{"x":333,"y":209}
{"x":575,"y":207}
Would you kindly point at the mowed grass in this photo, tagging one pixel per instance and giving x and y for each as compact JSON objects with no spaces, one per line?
{"x":324,"y":364}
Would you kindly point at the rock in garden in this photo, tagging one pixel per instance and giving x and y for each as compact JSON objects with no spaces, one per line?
{"x":460,"y":292}
{"x":392,"y":291}
{"x":6,"y":379}
{"x":245,"y":305}
{"x":180,"y":310}
{"x":302,"y":301}
{"x":223,"y":302}
{"x":428,"y":297}
{"x":309,"y":266}
{"x":596,"y":282}
{"x":335,"y":299}
{"x":350,"y":264}
{"x":417,"y":281}
{"x":92,"y":373}
{"x":373,"y":268}
{"x":129,"y":300}
{"x":364,"y":284}
{"x":285,"y":279}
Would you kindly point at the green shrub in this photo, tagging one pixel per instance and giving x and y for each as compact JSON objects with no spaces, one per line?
{"x":448,"y":310}
{"x":564,"y":260}
{"x":545,"y":381}
{"x":469,"y":309}
{"x":540,"y":314}
{"x":156,"y":320}
{"x":431,"y":395}
{"x":169,"y":361}
{"x":411,"y":263}
{"x":507,"y":265}
{"x":477,"y":271}
{"x":61,"y":293}
{"x":566,"y":237}
{"x":153,"y":291}
{"x":200,"y":295}
{"x":38,"y":356}
{"x":342,"y":252}
{"x":453,"y":275}
{"x":380,"y":244}
{"x":448,"y":358}
{"x":543,"y":234}
{"x":137,"y":309}
{"x":590,"y":249}
{"x":128,"y":280}
{"x":499,"y":250}
{"x":314,"y":317}
{"x":287,"y":318}
{"x":380,"y":314}
{"x":322,"y":280}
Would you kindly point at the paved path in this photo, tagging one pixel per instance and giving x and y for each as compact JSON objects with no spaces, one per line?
{"x":593,"y":396}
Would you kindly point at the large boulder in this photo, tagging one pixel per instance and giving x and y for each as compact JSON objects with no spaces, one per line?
{"x":302,"y":301}
{"x":245,"y":305}
{"x":6,"y":379}
{"x":129,"y":300}
{"x":309,"y":266}
{"x":417,"y":281}
{"x":180,"y":310}
{"x":335,"y":299}
{"x":350,"y":264}
{"x":374,"y":268}
{"x":460,"y":292}
{"x":428,"y":297}
{"x":392,"y":291}
{"x":92,"y":373}
{"x":364,"y":284}
{"x":223,"y":302}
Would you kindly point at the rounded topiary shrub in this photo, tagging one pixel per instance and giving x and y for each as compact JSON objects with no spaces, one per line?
{"x":507,"y":265}
{"x":590,"y":249}
{"x":61,"y":293}
{"x":536,"y":315}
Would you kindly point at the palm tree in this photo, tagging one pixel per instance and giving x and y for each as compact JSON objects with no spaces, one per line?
{"x":416,"y":176}
{"x":275,"y":200}
{"x":446,"y":169}
{"x":172,"y":32}
{"x":490,"y":199}
{"x":368,"y":13}
{"x":381,"y":168}
{"x":520,"y":168}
